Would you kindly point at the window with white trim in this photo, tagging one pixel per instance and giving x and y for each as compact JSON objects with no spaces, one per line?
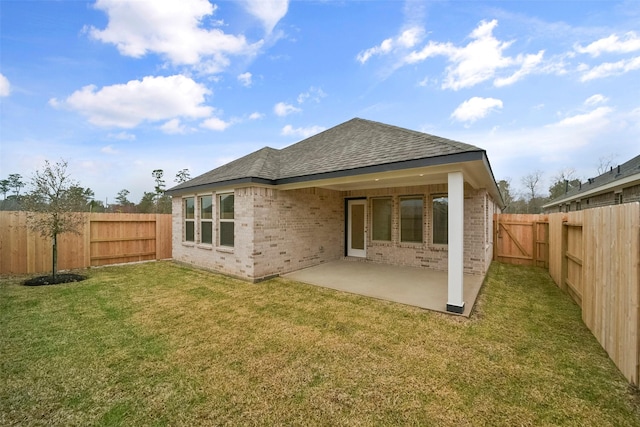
{"x":226,"y":219}
{"x":440,"y":209}
{"x":206,"y":220}
{"x":381,"y":218}
{"x":411,"y":219}
{"x":189,"y":219}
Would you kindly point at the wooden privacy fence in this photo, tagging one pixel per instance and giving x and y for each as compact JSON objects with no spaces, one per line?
{"x":594,"y":255}
{"x":103,"y":239}
{"x":521,"y":239}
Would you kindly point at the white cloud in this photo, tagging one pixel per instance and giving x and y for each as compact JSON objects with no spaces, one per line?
{"x":607,"y":69}
{"x":269,"y":12}
{"x":5,"y":86}
{"x":109,"y":150}
{"x":122,"y":136}
{"x":255,"y":116}
{"x":612,"y":44}
{"x":315,"y":94}
{"x":245,"y":79}
{"x":405,"y":40}
{"x":173,"y":126}
{"x":595,"y":100}
{"x":529,"y":63}
{"x":214,"y":123}
{"x":514,"y":150}
{"x":476,"y":108}
{"x":481,"y":59}
{"x":283,"y":109}
{"x":150,"y":99}
{"x":597,"y":116}
{"x":474,"y":63}
{"x":172,"y":29}
{"x":302,"y":132}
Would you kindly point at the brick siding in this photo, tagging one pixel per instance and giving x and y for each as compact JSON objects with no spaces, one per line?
{"x":279,"y":231}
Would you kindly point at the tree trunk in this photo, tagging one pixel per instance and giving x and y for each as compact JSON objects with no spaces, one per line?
{"x":55,"y":256}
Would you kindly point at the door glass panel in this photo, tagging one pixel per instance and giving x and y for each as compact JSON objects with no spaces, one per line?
{"x":357,"y":226}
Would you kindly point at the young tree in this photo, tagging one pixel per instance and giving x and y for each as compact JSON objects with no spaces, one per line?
{"x":51,"y":209}
{"x":182,"y":176}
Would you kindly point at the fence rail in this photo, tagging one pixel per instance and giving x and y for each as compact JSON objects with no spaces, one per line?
{"x":104,"y":239}
{"x":594,"y":255}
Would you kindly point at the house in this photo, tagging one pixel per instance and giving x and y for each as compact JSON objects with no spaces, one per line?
{"x":361,"y":189}
{"x":619,"y":185}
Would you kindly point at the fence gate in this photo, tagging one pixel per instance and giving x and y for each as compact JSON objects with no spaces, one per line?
{"x":572,"y":256}
{"x":521,"y":239}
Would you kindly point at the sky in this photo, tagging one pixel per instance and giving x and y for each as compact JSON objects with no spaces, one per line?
{"x":121,"y":88}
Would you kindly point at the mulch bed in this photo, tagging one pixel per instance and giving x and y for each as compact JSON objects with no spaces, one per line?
{"x":50,"y":280}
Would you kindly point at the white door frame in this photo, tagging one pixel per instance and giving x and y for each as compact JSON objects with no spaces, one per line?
{"x":360,"y":253}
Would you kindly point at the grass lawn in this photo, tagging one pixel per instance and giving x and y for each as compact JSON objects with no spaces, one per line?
{"x":162,"y":344}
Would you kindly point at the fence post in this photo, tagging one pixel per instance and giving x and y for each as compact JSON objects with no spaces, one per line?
{"x":563,"y":254}
{"x":87,"y":239}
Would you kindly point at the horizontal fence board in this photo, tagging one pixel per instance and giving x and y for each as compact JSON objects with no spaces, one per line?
{"x":103,"y":239}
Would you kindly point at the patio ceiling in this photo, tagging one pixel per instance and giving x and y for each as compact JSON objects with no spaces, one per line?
{"x":475,"y":174}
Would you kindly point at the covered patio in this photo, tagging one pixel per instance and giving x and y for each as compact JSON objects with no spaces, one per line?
{"x":419,"y":287}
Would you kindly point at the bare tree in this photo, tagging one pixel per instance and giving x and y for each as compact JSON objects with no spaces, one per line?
{"x":605,"y":163}
{"x":51,"y":207}
{"x":531,"y":183}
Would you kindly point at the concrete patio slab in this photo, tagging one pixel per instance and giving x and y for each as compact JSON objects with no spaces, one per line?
{"x":414,"y":286}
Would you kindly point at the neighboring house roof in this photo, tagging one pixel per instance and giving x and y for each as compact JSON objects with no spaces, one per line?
{"x":625,"y":175}
{"x":353,"y":148}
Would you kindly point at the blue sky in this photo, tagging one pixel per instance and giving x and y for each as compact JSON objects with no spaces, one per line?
{"x":120,"y":88}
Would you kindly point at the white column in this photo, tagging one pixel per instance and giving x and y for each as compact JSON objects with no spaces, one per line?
{"x":455,"y":303}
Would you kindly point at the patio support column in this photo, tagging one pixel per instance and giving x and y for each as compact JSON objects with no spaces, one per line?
{"x":455,"y":304}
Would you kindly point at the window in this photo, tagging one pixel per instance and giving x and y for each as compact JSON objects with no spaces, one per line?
{"x":206,"y":220}
{"x":189,"y":220}
{"x":441,"y":220}
{"x":411,"y":219}
{"x":381,"y":218}
{"x":618,"y":198}
{"x":226,"y":202}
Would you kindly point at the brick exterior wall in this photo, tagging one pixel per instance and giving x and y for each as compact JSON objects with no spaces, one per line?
{"x":279,"y":231}
{"x":296,"y":229}
{"x":478,"y":233}
{"x":234,"y":261}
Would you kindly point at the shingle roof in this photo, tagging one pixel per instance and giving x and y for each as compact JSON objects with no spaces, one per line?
{"x":351,"y":145}
{"x":629,"y":168}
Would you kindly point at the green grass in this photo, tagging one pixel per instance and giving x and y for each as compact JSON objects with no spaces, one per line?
{"x":162,"y":344}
